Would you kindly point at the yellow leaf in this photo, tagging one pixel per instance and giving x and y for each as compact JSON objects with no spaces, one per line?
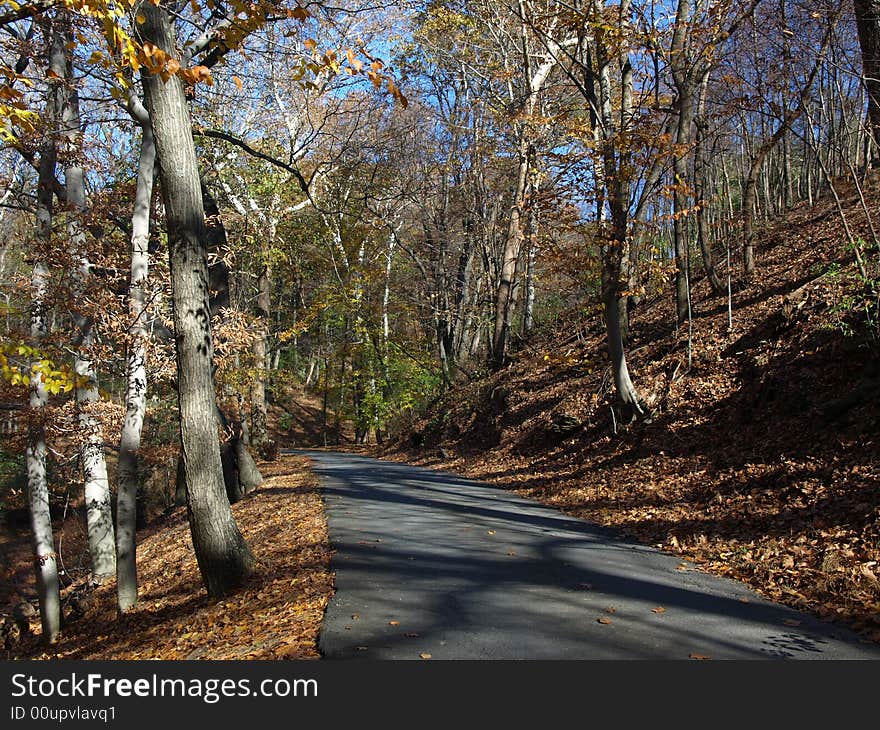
{"x":238,"y":82}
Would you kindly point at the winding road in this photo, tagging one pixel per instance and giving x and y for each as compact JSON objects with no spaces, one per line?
{"x":431,"y":565}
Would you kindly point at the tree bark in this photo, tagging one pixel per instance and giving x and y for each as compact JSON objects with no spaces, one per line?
{"x":685,"y":102}
{"x":223,"y":556}
{"x":136,"y":377}
{"x":868,"y":24}
{"x":618,"y":188}
{"x":99,"y":516}
{"x":45,"y":557}
{"x":259,"y":432}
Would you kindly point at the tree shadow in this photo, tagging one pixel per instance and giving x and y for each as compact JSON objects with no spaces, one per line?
{"x":434,"y":571}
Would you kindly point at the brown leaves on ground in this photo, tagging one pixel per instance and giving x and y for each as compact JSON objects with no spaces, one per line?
{"x":276,"y":615}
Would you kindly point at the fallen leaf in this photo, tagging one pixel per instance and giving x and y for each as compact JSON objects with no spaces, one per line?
{"x":355,"y":615}
{"x":694,"y":655}
{"x":610,"y":609}
{"x":424,"y":655}
{"x":491,"y":532}
{"x":659,"y":609}
{"x":604,"y":620}
{"x":394,"y":623}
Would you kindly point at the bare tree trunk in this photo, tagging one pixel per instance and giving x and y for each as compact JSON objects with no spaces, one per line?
{"x":615,"y":252}
{"x":259,"y":433}
{"x":99,"y":516}
{"x":223,"y":556}
{"x":685,"y":101}
{"x":136,"y":376}
{"x":510,"y":257}
{"x":529,"y":311}
{"x":701,"y":173}
{"x":45,"y":557}
{"x":868,"y":23}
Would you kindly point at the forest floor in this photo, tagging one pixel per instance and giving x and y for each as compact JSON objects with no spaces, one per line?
{"x":276,"y":615}
{"x":761,"y":458}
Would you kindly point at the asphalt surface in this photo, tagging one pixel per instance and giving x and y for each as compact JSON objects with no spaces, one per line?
{"x":431,"y":565}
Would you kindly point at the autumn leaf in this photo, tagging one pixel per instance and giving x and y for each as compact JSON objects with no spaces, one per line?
{"x":424,"y":655}
{"x":694,"y":655}
{"x":659,"y":609}
{"x":604,"y":620}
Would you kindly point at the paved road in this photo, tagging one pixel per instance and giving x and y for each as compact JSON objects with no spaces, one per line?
{"x":429,"y":563}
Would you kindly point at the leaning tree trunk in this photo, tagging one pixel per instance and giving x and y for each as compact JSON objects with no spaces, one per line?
{"x":701,"y":174}
{"x":136,"y":375}
{"x":682,"y":76}
{"x":99,"y":516}
{"x":223,"y":556}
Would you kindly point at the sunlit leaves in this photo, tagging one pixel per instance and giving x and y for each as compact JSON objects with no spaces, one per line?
{"x":20,"y":364}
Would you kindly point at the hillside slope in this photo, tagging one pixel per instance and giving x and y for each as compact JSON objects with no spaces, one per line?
{"x":760,"y":459}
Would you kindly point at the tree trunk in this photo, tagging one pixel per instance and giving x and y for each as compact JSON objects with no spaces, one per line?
{"x":259,"y":433}
{"x":510,"y":257}
{"x":223,"y":556}
{"x":868,"y":24}
{"x":701,"y":174}
{"x":616,"y":163}
{"x":136,"y":376}
{"x":99,"y":516}
{"x":685,"y":101}
{"x":45,"y":558}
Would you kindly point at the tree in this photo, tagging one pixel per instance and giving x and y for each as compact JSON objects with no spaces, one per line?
{"x":136,"y":370}
{"x":223,"y":556}
{"x":867,"y":14}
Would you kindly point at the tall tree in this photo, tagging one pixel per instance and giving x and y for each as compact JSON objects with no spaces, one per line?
{"x":45,"y":557}
{"x":99,"y":517}
{"x":136,"y":366}
{"x":867,"y":14}
{"x":223,"y":556}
